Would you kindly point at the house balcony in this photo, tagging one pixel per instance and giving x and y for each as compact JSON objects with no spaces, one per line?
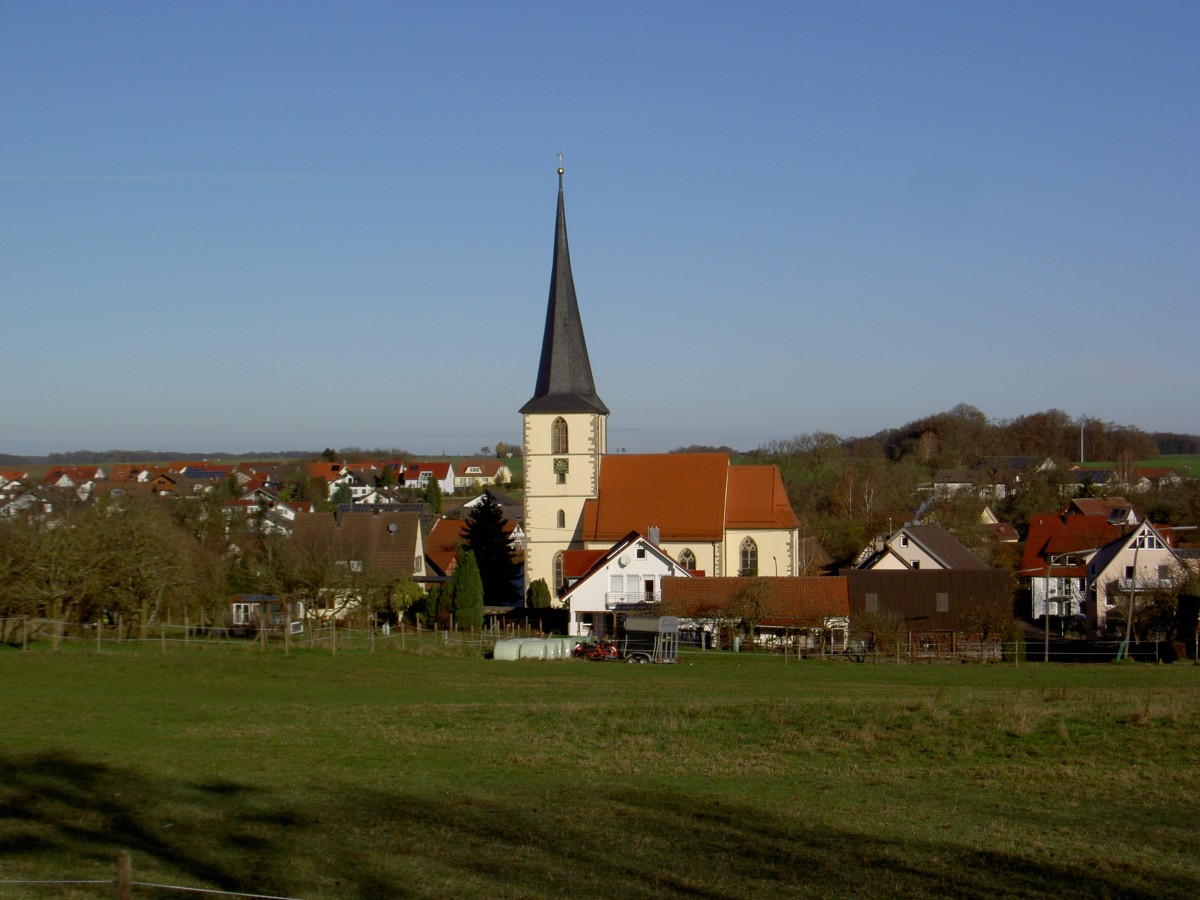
{"x":1143,"y":583}
{"x":628,"y":600}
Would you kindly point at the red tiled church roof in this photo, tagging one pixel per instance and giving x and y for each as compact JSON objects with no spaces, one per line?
{"x":687,"y":496}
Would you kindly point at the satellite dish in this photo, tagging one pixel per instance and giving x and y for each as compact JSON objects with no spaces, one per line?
{"x":623,"y":561}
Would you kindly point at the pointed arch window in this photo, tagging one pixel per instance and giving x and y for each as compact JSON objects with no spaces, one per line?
{"x":749,"y":558}
{"x":558,"y":436}
{"x":562,"y":519}
{"x":558,"y":572}
{"x":687,"y":559}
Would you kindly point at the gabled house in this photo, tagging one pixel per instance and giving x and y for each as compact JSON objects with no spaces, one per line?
{"x":359,"y":480}
{"x":80,"y":479}
{"x":477,"y":473}
{"x":927,"y":547}
{"x":1057,"y":550}
{"x":388,"y":542}
{"x":13,"y":480}
{"x":36,"y":502}
{"x":625,"y":578}
{"x":419,"y":474}
{"x":327,"y":472}
{"x":1142,"y":560}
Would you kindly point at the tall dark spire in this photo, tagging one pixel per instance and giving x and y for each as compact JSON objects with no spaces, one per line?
{"x":564,"y":381}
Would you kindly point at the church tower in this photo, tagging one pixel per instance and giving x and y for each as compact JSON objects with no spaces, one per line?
{"x":564,"y":427}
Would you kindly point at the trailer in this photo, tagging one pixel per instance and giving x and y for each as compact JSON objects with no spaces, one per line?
{"x":647,"y":639}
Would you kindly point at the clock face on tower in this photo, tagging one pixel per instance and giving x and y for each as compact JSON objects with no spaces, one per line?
{"x":561,"y":466}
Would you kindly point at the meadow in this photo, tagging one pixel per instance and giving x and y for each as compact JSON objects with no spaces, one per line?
{"x":411,"y":774}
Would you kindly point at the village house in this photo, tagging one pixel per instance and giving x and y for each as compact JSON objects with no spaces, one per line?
{"x":625,"y":578}
{"x":1142,"y":560}
{"x":419,"y":474}
{"x":913,"y":547}
{"x":811,"y":610}
{"x":359,"y":551}
{"x":477,"y":473}
{"x":1057,"y":549}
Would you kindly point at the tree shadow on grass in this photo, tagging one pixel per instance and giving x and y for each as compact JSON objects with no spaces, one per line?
{"x":66,"y":816}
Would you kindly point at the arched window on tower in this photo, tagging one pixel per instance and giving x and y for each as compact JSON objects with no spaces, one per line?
{"x":749,"y":560}
{"x":687,"y":559}
{"x":562,"y":519}
{"x":558,"y":436}
{"x":558,"y":573}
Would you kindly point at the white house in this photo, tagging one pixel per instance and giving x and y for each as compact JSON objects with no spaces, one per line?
{"x":625,"y":578}
{"x":419,"y":474}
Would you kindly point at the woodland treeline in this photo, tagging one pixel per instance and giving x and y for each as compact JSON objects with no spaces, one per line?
{"x":137,"y":561}
{"x":960,"y":436}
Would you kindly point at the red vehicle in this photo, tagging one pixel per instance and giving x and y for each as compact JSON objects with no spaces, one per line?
{"x":598,"y":651}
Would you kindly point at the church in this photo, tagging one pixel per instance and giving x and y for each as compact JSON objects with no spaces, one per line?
{"x":711,"y":517}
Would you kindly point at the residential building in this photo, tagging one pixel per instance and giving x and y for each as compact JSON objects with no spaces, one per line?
{"x":1141,"y":561}
{"x":603,"y":584}
{"x":913,"y":547}
{"x":814,"y":609}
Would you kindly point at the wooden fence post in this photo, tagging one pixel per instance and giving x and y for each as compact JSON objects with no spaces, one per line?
{"x":124,"y":876}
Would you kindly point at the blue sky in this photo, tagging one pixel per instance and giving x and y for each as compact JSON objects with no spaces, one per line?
{"x":236,"y":226}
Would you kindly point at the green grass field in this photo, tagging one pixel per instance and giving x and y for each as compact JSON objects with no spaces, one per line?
{"x":398,"y":774}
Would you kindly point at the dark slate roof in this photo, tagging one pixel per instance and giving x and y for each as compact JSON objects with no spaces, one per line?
{"x":943,"y":546}
{"x":564,"y":381}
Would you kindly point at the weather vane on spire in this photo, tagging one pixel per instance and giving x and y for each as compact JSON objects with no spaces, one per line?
{"x":559,"y":154}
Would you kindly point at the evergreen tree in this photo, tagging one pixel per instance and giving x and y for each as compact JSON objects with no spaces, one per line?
{"x":484,"y":536}
{"x":467,"y":600}
{"x":433,"y":496}
{"x":436,"y":605}
{"x":538,"y":596}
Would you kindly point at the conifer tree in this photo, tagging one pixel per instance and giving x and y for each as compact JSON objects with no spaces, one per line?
{"x":538,"y":596}
{"x":467,"y":601}
{"x":484,"y":536}
{"x":433,"y":496}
